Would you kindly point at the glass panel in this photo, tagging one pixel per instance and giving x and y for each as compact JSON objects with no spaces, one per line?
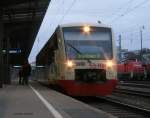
{"x":96,"y":44}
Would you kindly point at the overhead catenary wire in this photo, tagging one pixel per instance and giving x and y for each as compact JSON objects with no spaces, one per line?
{"x":67,"y":11}
{"x":65,"y":7}
{"x":133,"y":29}
{"x":59,"y":9}
{"x":129,"y":11}
{"x":134,"y":36}
{"x":122,"y":7}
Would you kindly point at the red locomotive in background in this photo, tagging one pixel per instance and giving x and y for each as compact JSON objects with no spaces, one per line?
{"x":134,"y":65}
{"x":147,"y":70}
{"x":131,"y":70}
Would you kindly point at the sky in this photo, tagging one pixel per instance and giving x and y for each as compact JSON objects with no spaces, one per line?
{"x":126,"y":17}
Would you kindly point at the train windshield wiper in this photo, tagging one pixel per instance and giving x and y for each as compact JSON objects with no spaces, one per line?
{"x":78,"y":51}
{"x":74,"y":48}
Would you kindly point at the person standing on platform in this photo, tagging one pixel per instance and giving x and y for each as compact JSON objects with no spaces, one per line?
{"x":26,"y":71}
{"x":20,"y":76}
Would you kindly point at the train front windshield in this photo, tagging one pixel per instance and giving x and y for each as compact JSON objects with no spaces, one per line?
{"x":96,"y":44}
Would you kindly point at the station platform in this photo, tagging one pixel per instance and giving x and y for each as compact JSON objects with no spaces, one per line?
{"x":37,"y":101}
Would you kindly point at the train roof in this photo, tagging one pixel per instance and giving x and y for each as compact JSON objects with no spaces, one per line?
{"x":83,"y":24}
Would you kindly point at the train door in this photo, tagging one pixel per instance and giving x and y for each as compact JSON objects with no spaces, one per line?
{"x":60,"y":57}
{"x":53,"y":62}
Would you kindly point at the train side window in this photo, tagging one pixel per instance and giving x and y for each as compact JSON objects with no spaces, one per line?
{"x":59,"y":44}
{"x":52,"y":68}
{"x":55,"y":42}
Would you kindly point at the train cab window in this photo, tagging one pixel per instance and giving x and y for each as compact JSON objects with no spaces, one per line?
{"x":95,"y":45}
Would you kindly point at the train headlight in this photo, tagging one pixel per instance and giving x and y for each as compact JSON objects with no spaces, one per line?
{"x":86,"y":29}
{"x":109,"y":63}
{"x":70,"y":63}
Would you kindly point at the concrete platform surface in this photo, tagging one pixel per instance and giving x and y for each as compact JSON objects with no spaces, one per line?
{"x":36,"y":101}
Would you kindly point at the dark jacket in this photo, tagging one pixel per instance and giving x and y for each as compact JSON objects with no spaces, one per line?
{"x":26,"y":70}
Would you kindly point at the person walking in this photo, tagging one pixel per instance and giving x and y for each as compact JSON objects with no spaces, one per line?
{"x":26,"y":71}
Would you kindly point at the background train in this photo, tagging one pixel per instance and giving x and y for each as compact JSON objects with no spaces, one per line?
{"x":81,"y":59}
{"x":135,"y":68}
{"x":147,"y":68}
{"x":131,"y":70}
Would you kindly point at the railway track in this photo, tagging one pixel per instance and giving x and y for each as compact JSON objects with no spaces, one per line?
{"x":133,"y":111}
{"x":133,"y":89}
{"x":126,"y":101}
{"x":146,"y":82}
{"x":120,"y":104}
{"x":140,"y":85}
{"x":116,"y":107}
{"x":132,"y":92}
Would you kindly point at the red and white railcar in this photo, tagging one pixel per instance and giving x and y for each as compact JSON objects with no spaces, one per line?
{"x":81,"y":59}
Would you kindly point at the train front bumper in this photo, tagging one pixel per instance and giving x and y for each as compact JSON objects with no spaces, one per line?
{"x":75,"y":88}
